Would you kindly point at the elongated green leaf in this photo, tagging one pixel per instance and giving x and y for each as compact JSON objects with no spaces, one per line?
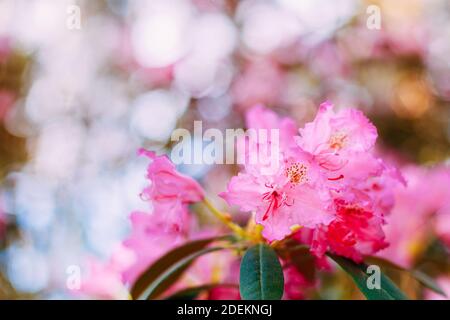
{"x":420,"y":276}
{"x":192,"y":292}
{"x":166,"y":261}
{"x":171,"y":275}
{"x":261,"y":275}
{"x":388,"y":290}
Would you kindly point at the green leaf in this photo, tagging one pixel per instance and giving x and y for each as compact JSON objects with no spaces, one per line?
{"x":420,"y":276}
{"x":388,"y":290}
{"x":171,"y":275}
{"x":192,"y":292}
{"x":169,"y":259}
{"x":261,"y":275}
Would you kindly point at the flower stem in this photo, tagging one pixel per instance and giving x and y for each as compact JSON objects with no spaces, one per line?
{"x":225,"y":219}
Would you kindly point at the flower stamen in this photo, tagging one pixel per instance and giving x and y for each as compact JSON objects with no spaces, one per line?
{"x":337,"y":141}
{"x":297,"y":173}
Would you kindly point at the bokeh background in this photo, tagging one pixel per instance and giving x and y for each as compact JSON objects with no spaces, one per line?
{"x":76,"y":104}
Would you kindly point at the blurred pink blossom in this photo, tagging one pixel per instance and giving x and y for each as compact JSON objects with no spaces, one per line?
{"x":104,"y":280}
{"x":260,"y":81}
{"x":149,"y":240}
{"x":408,"y":227}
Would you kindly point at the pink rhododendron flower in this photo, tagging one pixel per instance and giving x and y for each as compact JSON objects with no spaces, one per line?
{"x":168,"y":183}
{"x":293,"y":195}
{"x":170,"y":191}
{"x":281,"y":201}
{"x":328,"y":180}
{"x":356,"y":231}
{"x":333,"y":137}
{"x":363,"y":187}
{"x":362,"y":199}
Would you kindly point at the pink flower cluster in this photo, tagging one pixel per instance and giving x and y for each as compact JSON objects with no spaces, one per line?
{"x":329,"y":183}
{"x":328,"y":190}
